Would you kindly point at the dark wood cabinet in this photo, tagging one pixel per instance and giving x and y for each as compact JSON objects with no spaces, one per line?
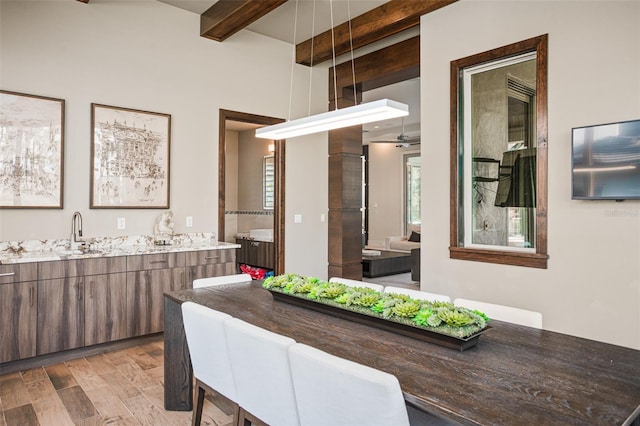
{"x":60,"y":314}
{"x":18,"y":273}
{"x":148,"y":278}
{"x":144,"y":300}
{"x":18,"y":311}
{"x":105,"y":307}
{"x":81,"y":303}
{"x":256,"y":253}
{"x":52,"y":306}
{"x":210,"y":263}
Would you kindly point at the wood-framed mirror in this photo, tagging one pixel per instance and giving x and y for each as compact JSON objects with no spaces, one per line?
{"x":278,"y":155}
{"x":498,"y":159}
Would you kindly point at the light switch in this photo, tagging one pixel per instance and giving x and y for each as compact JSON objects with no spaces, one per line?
{"x":323,"y":217}
{"x":297,"y":218}
{"x":189,"y":221}
{"x":121,"y":223}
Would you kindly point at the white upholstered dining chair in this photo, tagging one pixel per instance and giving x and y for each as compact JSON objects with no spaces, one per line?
{"x":260,"y":367}
{"x":418,"y":294}
{"x":224,"y":279}
{"x":356,"y":283}
{"x":205,"y":332}
{"x":503,"y":313}
{"x":333,"y":391}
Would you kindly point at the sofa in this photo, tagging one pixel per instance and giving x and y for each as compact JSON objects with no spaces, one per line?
{"x":404,"y":242}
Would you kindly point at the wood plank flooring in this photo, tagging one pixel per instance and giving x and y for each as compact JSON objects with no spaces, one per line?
{"x":124,"y":387}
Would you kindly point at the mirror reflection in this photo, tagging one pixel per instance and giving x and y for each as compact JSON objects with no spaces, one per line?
{"x":500,"y":135}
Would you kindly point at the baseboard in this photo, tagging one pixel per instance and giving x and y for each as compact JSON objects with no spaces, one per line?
{"x":58,"y":357}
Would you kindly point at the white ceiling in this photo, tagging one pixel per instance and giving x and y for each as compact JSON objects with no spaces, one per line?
{"x":279,"y":23}
{"x":407,"y":92}
{"x":239,"y":126}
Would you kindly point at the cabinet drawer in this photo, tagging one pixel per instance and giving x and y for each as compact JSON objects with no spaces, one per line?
{"x":145,"y":262}
{"x":16,"y":273}
{"x":82,"y":267}
{"x":208,"y":257}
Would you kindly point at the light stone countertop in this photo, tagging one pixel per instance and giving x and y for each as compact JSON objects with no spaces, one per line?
{"x":13,"y":252}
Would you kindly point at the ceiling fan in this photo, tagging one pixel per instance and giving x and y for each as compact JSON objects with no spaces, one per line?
{"x":402,"y":140}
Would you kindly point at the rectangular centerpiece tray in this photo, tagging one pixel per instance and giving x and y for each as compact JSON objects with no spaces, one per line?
{"x":423,"y":334}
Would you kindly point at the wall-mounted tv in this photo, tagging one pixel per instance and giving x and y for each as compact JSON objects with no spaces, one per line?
{"x":606,"y":161}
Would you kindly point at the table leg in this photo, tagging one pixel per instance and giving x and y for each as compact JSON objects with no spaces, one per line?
{"x":178,"y":373}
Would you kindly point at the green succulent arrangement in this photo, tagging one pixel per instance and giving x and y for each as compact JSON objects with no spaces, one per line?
{"x":440,"y":317}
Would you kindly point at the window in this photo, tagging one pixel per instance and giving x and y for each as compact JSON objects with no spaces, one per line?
{"x":412,"y":188}
{"x":268,"y":182}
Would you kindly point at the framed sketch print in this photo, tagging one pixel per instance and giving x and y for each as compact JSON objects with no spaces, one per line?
{"x":129,"y":158}
{"x":31,"y":151}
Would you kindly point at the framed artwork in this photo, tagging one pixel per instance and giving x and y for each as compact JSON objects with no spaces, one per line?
{"x":31,"y":151}
{"x":129,"y":158}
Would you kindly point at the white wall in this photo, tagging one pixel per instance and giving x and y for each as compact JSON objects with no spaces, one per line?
{"x":231,"y":186}
{"x":592,"y":285}
{"x":308,"y":174}
{"x":386,"y":192}
{"x":148,"y":55}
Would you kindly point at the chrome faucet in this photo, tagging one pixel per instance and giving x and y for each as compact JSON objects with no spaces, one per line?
{"x":76,"y":240}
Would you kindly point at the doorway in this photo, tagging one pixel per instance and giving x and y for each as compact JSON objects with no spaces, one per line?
{"x":387,"y":66}
{"x":271,"y":209}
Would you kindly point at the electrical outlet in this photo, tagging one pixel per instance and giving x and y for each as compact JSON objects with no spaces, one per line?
{"x":322,"y":217}
{"x":121,"y":223}
{"x":297,"y":218}
{"x":189,"y":221}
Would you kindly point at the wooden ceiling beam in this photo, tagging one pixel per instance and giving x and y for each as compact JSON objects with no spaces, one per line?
{"x":383,"y":21}
{"x":227,"y":17}
{"x":390,"y":65}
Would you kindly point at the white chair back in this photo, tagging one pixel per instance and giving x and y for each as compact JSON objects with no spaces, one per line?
{"x":503,"y":313}
{"x":356,"y":283}
{"x":205,"y":331}
{"x":417,"y":294}
{"x":260,"y":366}
{"x":334,"y":391}
{"x":224,"y":279}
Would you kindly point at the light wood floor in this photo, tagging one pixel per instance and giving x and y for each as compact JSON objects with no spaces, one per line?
{"x":123,"y":387}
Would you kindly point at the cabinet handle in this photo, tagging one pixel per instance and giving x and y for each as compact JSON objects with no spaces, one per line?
{"x":212,"y":257}
{"x":30,"y":296}
{"x":7,"y":274}
{"x":158,"y":261}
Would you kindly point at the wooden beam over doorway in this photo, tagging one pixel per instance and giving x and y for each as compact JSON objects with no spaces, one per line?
{"x":401,"y":62}
{"x":381,"y":22}
{"x":227,"y":17}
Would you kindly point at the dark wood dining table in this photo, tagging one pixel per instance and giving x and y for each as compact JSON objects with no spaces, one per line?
{"x":514,"y":375}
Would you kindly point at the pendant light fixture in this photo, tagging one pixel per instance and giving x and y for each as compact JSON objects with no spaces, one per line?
{"x":339,"y":118}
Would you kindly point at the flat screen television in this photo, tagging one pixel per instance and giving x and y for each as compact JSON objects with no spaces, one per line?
{"x":606,"y":161}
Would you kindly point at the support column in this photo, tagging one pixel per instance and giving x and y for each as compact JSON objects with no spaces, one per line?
{"x":345,"y":199}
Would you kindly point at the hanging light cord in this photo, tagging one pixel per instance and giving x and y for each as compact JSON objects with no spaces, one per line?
{"x":333,"y":49}
{"x":353,"y":67}
{"x":313,"y":28}
{"x":293,"y":60}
